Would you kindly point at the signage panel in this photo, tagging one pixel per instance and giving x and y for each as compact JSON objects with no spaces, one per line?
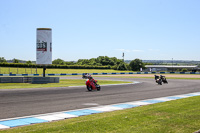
{"x":44,"y":46}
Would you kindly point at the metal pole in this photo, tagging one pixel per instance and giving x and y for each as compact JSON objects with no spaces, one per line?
{"x":44,"y":68}
{"x":123,"y":56}
{"x":172,"y":64}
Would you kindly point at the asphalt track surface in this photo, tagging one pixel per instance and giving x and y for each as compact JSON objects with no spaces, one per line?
{"x":26,"y":102}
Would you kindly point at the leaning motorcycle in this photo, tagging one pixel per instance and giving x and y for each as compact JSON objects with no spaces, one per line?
{"x":91,"y":84}
{"x":158,"y":80}
{"x":164,"y":80}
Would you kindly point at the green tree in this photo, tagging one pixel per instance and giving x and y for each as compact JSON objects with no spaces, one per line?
{"x":136,"y":64}
{"x":184,"y":70}
{"x":92,"y":61}
{"x":122,"y":66}
{"x":58,"y":61}
{"x":29,"y":62}
{"x":100,"y":61}
{"x":69,"y":63}
{"x":2,"y":59}
{"x":105,"y":60}
{"x":83,"y":62}
{"x":15,"y":60}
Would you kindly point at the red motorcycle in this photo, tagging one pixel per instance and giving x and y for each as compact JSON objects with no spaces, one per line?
{"x":91,"y":84}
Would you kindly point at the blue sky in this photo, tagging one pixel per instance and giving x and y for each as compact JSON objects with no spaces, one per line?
{"x":84,"y":29}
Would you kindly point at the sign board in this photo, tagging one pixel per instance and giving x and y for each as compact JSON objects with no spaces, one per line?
{"x":44,"y":46}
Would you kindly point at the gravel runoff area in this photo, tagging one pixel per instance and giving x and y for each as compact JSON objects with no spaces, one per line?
{"x":152,"y":75}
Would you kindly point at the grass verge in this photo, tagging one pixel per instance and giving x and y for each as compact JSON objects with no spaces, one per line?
{"x":63,"y":83}
{"x":15,"y":70}
{"x":179,"y":116}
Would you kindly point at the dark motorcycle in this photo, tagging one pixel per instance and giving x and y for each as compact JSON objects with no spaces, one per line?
{"x":164,"y":80}
{"x":158,"y":79}
{"x":85,"y":75}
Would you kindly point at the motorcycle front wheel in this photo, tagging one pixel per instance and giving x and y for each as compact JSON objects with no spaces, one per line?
{"x":98,"y":88}
{"x":89,"y":88}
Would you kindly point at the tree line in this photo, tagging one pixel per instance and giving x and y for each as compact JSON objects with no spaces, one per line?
{"x":101,"y":62}
{"x":112,"y":62}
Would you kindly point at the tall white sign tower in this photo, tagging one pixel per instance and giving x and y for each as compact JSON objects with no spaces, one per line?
{"x":44,"y":47}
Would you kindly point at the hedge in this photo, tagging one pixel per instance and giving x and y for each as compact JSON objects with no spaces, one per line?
{"x":53,"y":66}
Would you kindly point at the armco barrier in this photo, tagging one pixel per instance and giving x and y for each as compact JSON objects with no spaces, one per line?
{"x":122,"y":73}
{"x":33,"y":80}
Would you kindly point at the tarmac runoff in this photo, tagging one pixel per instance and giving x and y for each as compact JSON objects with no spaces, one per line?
{"x":41,"y":118}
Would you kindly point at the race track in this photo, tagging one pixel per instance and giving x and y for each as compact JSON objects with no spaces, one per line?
{"x":25,"y":102}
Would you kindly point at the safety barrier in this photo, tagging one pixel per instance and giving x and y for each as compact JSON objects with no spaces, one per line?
{"x":65,"y":74}
{"x":33,"y":80}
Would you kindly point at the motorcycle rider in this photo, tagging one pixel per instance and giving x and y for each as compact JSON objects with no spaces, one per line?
{"x":156,"y":77}
{"x":91,"y":84}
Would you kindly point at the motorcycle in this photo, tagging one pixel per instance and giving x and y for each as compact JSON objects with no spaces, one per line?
{"x":91,"y":84}
{"x":158,"y":79}
{"x":164,"y":80}
{"x":85,"y":75}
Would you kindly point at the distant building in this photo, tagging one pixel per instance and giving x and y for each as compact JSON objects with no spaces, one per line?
{"x":158,"y":68}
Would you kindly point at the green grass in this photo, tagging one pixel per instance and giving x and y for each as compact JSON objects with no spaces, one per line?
{"x":179,"y":116}
{"x":7,"y":70}
{"x":63,"y":83}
